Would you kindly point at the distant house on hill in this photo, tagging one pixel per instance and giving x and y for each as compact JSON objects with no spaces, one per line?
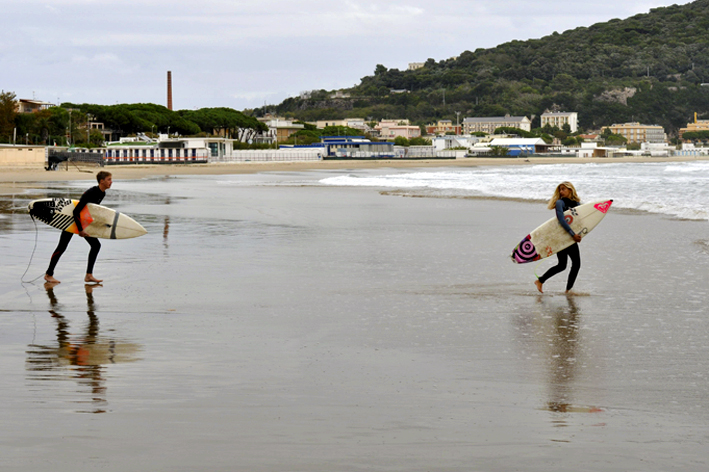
{"x":32,"y":106}
{"x":559,"y":119}
{"x":638,"y":133}
{"x":280,"y":129}
{"x":490,"y":124}
{"x":391,"y":129}
{"x":590,"y":137}
{"x":355,"y":123}
{"x":442,"y":127}
{"x":697,"y":125}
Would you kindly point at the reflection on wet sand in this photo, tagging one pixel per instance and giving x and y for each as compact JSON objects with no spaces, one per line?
{"x":554,"y":334}
{"x":563,"y":345}
{"x":82,"y":358}
{"x":166,"y":226}
{"x":563,"y":356}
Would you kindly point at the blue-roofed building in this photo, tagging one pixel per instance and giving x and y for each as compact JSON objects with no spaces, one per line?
{"x":356,"y":147}
{"x":515,"y":146}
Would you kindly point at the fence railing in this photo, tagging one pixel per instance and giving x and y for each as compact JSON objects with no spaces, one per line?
{"x":268,"y":156}
{"x":65,"y":158}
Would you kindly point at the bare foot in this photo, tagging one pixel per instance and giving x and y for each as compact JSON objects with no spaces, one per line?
{"x":90,"y":287}
{"x":539,"y":286}
{"x":50,"y":279}
{"x":91,"y":279}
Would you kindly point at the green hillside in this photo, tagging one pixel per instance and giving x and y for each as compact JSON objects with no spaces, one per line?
{"x":647,"y":68}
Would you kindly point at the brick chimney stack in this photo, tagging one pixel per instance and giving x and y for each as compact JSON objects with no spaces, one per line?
{"x":169,"y":90}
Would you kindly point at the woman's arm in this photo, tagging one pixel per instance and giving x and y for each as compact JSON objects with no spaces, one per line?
{"x":560,"y":217}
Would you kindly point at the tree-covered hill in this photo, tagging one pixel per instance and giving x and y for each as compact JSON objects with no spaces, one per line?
{"x":647,"y":68}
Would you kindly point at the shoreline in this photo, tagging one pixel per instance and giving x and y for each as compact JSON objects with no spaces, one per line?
{"x":12,"y":179}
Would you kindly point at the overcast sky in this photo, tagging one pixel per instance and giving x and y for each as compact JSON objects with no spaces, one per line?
{"x":244,"y":54}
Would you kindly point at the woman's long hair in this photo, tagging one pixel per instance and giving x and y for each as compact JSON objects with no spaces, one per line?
{"x":574,"y":196}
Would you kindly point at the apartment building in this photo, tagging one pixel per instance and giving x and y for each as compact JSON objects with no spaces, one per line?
{"x":559,"y":119}
{"x":391,"y":129}
{"x":355,"y":123}
{"x":443,"y":127}
{"x":638,"y":133}
{"x":697,"y":125}
{"x":490,"y":124}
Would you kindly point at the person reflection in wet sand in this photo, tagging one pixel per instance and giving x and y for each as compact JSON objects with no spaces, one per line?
{"x":166,"y":226}
{"x":563,"y":359}
{"x":81,"y":358}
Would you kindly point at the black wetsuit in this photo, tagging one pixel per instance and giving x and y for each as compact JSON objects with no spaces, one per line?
{"x":92,"y":195}
{"x":571,"y":252}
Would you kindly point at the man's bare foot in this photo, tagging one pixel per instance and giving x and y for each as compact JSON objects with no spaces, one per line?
{"x":539,"y":286}
{"x":50,"y":279}
{"x":91,"y":279}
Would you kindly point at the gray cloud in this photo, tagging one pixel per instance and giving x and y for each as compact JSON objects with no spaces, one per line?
{"x":241,"y":54}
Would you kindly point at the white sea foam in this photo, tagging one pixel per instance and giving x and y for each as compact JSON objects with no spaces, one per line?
{"x":677,"y":189}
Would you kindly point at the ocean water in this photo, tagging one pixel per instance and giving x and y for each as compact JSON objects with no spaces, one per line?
{"x":675,"y":189}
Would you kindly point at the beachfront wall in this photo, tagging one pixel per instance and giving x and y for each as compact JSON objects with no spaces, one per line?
{"x":154,"y":155}
{"x":271,"y":155}
{"x":23,"y":156}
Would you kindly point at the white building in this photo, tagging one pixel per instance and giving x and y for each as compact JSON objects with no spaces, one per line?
{"x":559,"y":119}
{"x":441,"y":143}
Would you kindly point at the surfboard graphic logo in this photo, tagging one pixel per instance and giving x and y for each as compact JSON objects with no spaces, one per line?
{"x":603,"y":207}
{"x":525,"y":252}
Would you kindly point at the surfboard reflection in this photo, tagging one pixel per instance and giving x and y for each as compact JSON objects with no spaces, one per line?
{"x":83,"y":358}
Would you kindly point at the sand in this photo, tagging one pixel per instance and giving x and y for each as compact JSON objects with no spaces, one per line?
{"x":309,"y":328}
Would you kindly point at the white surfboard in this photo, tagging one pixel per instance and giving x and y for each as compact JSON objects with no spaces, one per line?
{"x":98,"y":221}
{"x":551,"y":237}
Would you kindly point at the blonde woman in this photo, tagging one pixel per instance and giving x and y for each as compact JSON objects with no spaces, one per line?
{"x":565,"y":197}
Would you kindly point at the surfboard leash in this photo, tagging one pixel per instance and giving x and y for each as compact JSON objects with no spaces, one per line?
{"x":36,"y":233}
{"x":535,"y":267}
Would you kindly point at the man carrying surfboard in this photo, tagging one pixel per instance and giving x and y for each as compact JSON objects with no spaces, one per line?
{"x":92,"y":195}
{"x":564,"y":198}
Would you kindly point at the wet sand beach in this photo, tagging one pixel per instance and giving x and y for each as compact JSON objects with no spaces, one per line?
{"x":266,"y":323}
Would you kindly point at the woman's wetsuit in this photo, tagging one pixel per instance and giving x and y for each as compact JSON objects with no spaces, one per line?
{"x":92,"y":195}
{"x":571,"y":252}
